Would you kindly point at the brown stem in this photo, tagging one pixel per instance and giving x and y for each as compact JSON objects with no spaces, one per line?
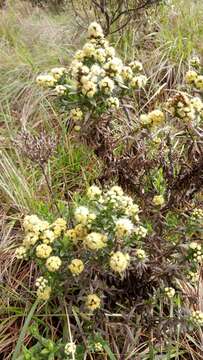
{"x":49,"y":188}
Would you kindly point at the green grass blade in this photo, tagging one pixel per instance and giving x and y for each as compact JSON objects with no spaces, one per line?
{"x":23,"y":331}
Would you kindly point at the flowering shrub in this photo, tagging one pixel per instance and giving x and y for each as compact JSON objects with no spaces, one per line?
{"x":106,"y":227}
{"x":106,"y":251}
{"x":121,"y":266}
{"x":194,"y":76}
{"x":111,"y":255}
{"x":183,"y":106}
{"x":96,"y":80}
{"x":188,"y":109}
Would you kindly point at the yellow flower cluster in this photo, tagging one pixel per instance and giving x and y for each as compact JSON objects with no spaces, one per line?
{"x":34,"y":225}
{"x":53,"y":263}
{"x":197,"y":317}
{"x":41,"y":282}
{"x":77,"y":233}
{"x":136,"y":66}
{"x":95,"y":31}
{"x":119,"y":262}
{"x":140,"y":231}
{"x":153,"y":118}
{"x":194,"y":246}
{"x":83,"y":215}
{"x":197,"y":252}
{"x":185,"y":108}
{"x":43,"y":291}
{"x":39,"y":235}
{"x":60,"y":89}
{"x":170,"y":292}
{"x":30,"y":239}
{"x":43,"y":251}
{"x":115,"y":190}
{"x":197,"y":214}
{"x":138,"y":82}
{"x":49,"y":80}
{"x":21,"y":253}
{"x":197,"y":104}
{"x":95,"y":241}
{"x":120,"y":201}
{"x":193,"y":276}
{"x":46,"y":80}
{"x":93,"y":302}
{"x":124,"y":227}
{"x":127,"y":73}
{"x":70,"y":348}
{"x":140,"y":254}
{"x":76,"y":114}
{"x":48,"y":236}
{"x":158,"y":200}
{"x":37,"y":229}
{"x":76,"y":266}
{"x":106,"y":85}
{"x":94,"y":192}
{"x":113,"y":102}
{"x":113,"y":67}
{"x":199,"y":82}
{"x":58,"y":72}
{"x":193,"y":78}
{"x":97,"y":70}
{"x":98,"y":347}
{"x":59,"y":226}
{"x":44,"y":294}
{"x":195,"y":61}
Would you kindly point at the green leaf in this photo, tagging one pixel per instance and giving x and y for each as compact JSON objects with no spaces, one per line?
{"x":24,"y":330}
{"x":109,"y":352}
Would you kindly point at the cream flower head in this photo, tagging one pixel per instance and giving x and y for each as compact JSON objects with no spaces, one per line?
{"x":46,"y":80}
{"x":197,"y":317}
{"x":81,"y":214}
{"x":58,"y":72}
{"x":44,"y":294}
{"x":95,"y":241}
{"x":60,"y":89}
{"x":158,"y":200}
{"x":124,"y":227}
{"x":190,"y":76}
{"x":76,"y":266}
{"x":53,"y":263}
{"x":43,"y":251}
{"x":140,"y":254}
{"x":119,"y":262}
{"x":95,"y":30}
{"x":170,"y":292}
{"x":20,"y":252}
{"x":93,"y":192}
{"x":93,"y":302}
{"x":76,"y":114}
{"x":70,"y":348}
{"x":106,"y":85}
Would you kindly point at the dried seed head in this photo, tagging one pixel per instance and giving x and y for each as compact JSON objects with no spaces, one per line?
{"x":37,"y":148}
